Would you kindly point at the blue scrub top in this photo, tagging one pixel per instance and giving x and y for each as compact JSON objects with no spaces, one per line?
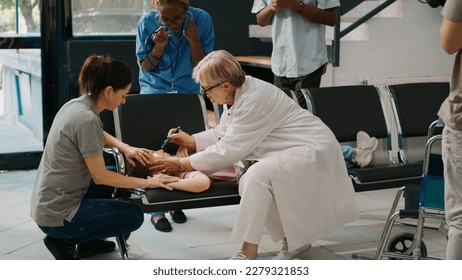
{"x":174,"y":73}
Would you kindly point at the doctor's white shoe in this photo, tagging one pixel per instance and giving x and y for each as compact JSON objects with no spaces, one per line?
{"x":284,"y":254}
{"x":239,"y":256}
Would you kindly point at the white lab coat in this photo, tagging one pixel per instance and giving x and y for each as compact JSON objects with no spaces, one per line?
{"x":312,"y":190}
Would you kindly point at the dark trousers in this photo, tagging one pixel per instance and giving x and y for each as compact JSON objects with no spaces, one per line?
{"x":99,"y":216}
{"x":312,"y":80}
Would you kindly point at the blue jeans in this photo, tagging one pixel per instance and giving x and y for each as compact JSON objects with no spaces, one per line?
{"x":99,"y":216}
{"x":157,"y":213}
{"x":348,"y":155}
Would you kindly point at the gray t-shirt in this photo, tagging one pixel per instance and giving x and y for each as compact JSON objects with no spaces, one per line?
{"x":63,"y":177}
{"x":451,"y":109}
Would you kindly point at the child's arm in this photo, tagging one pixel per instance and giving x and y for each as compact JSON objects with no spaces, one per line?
{"x":192,"y":181}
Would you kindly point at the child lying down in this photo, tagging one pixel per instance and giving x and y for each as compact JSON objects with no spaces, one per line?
{"x":190,"y":181}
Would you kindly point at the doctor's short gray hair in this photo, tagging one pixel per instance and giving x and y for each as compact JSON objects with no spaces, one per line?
{"x":217,"y":67}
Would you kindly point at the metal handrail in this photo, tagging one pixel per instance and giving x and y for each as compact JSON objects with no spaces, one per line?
{"x":348,"y":5}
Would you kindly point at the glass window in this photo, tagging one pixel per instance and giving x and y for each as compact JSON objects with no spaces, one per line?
{"x":19,"y":17}
{"x":91,"y":17}
{"x":20,"y":83}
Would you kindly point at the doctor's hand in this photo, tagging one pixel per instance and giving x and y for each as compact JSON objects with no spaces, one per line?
{"x":183,"y":139}
{"x":182,"y":152}
{"x":191,"y":32}
{"x":165,"y":165}
{"x":161,"y":36}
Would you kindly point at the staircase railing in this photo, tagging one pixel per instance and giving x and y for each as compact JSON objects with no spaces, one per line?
{"x":346,"y":6}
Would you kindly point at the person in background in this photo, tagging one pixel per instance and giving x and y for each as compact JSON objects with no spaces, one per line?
{"x":298,"y":30}
{"x":75,"y":212}
{"x":451,"y":114}
{"x":292,"y":176}
{"x":171,"y":39}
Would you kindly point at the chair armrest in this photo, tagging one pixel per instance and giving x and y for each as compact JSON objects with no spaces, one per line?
{"x":436,"y":127}
{"x":118,"y":158}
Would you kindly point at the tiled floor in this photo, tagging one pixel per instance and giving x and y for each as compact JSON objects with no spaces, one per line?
{"x":16,"y":138}
{"x":205,"y":236}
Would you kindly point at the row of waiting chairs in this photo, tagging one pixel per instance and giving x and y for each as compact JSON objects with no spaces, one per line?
{"x":345,"y":110}
{"x":349,"y":109}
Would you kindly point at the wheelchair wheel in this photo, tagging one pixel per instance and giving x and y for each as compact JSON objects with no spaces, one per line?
{"x":401,"y":244}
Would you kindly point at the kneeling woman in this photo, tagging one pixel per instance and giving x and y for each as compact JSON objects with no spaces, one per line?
{"x":66,"y":207}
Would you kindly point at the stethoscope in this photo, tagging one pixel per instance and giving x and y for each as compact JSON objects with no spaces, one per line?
{"x":177,"y":46}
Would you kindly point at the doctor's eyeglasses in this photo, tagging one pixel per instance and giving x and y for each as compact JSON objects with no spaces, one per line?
{"x":204,"y":90}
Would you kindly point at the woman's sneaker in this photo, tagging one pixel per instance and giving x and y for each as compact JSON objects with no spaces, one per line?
{"x":91,"y":248}
{"x":60,"y":249}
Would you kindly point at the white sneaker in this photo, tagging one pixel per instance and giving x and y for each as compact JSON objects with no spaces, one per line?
{"x":239,"y":256}
{"x":284,"y":254}
{"x":362,"y":138}
{"x":364,"y":159}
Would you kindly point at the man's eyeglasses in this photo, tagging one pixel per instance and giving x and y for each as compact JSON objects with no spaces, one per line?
{"x":176,"y":20}
{"x":204,"y":90}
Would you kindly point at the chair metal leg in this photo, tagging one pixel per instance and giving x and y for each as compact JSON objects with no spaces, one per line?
{"x":122,"y":247}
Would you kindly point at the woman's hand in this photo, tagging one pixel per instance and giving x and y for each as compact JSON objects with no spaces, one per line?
{"x":140,"y":154}
{"x":161,"y":181}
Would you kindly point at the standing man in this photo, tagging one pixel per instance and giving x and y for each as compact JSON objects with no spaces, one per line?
{"x":451,"y":113}
{"x":299,"y":57}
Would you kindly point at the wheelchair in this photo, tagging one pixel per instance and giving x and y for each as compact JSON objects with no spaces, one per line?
{"x":421,"y":202}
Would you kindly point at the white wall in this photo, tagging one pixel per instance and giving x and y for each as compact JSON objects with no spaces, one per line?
{"x":24,"y":65}
{"x":397,"y":47}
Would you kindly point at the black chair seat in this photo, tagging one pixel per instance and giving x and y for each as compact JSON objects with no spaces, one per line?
{"x":386,"y":176}
{"x":220,"y":193}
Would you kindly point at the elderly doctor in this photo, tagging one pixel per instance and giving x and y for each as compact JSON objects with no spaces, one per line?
{"x":294,"y":180}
